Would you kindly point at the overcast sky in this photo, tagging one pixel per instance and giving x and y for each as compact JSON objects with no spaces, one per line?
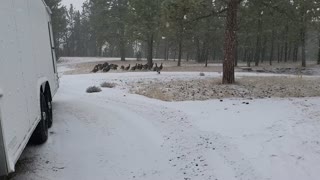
{"x":76,"y":3}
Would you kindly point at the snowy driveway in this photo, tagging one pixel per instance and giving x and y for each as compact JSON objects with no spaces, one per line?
{"x":115,"y":135}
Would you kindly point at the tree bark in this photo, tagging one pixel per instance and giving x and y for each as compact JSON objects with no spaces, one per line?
{"x":272,"y":47}
{"x":198,"y":53}
{"x":180,"y":52}
{"x":281,"y":53}
{"x":286,"y":43}
{"x":264,"y":49}
{"x":236,"y":53}
{"x":150,"y":51}
{"x":289,"y":51}
{"x":295,"y":53}
{"x":318,"y":62}
{"x":303,"y":46}
{"x":230,"y":42}
{"x":166,"y":49}
{"x":278,"y":47}
{"x":122,"y":45}
{"x":258,"y":43}
{"x":245,"y":55}
{"x":303,"y":29}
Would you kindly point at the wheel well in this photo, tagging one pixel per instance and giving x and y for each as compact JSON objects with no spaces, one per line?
{"x":47,"y":91}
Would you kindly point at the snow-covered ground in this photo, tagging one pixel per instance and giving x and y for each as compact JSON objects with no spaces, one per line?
{"x":115,"y":135}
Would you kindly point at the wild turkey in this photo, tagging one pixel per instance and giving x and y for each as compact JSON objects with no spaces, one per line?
{"x":134,"y":67}
{"x":105,"y":64}
{"x":139,"y":67}
{"x":156,"y":67}
{"x":95,"y":69}
{"x":113,"y":66}
{"x":106,"y":69}
{"x":100,"y":66}
{"x":128,"y":67}
{"x":161,"y":67}
{"x":122,"y":68}
{"x":145,"y":67}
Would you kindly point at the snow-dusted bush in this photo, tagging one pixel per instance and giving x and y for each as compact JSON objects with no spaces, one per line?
{"x":108,"y":85}
{"x":93,"y":89}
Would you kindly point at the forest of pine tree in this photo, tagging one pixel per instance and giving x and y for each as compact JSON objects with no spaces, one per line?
{"x":232,"y":31}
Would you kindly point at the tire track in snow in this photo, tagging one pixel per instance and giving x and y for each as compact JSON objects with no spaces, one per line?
{"x":191,"y":148}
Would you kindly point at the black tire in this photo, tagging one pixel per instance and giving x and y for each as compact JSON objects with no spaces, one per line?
{"x":49,"y":108}
{"x":40,"y":135}
{"x":4,"y":178}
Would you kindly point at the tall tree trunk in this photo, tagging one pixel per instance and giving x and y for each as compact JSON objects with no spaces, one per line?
{"x":318,"y":51}
{"x":245,"y":55}
{"x":206,"y":56}
{"x":303,"y":30}
{"x":289,"y":51}
{"x":250,"y":57}
{"x":180,"y":52}
{"x":198,"y":53}
{"x":295,"y":53}
{"x":157,"y":49}
{"x":150,"y":50}
{"x":214,"y":54}
{"x":236,"y":49}
{"x":264,"y":48}
{"x":303,"y":47}
{"x":122,"y":51}
{"x":272,"y":47}
{"x":188,"y":56}
{"x":286,"y":32}
{"x":230,"y":42}
{"x":281,"y":53}
{"x":166,"y":49}
{"x":122,"y":45}
{"x":257,"y":55}
{"x":206,"y":64}
{"x":180,"y":36}
{"x":278,"y":51}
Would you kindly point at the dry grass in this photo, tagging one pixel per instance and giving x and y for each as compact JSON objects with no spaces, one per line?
{"x":107,"y":85}
{"x":247,"y":87}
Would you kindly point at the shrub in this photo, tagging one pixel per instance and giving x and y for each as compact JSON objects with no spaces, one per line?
{"x":93,"y":89}
{"x":108,"y":85}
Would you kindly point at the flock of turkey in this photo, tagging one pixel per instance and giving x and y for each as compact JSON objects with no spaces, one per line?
{"x":106,"y":67}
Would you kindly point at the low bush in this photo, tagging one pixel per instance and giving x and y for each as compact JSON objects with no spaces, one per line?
{"x":93,"y":89}
{"x":108,"y":85}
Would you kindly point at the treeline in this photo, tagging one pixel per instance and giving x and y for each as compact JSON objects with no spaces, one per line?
{"x":267,"y":30}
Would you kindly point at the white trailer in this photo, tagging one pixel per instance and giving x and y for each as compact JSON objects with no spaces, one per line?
{"x":28,"y":77}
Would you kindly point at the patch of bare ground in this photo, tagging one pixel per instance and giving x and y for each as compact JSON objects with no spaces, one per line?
{"x":246,"y":87}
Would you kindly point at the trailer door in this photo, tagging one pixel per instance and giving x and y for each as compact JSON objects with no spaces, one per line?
{"x":27,"y":58}
{"x":14,"y":116}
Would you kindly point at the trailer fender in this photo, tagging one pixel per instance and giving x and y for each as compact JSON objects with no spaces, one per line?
{"x":41,"y":85}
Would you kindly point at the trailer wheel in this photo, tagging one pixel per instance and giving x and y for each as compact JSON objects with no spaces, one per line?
{"x":49,"y":107}
{"x":4,"y":178}
{"x":40,"y":135}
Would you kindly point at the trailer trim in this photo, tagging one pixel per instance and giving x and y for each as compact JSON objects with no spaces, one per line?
{"x":3,"y":153}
